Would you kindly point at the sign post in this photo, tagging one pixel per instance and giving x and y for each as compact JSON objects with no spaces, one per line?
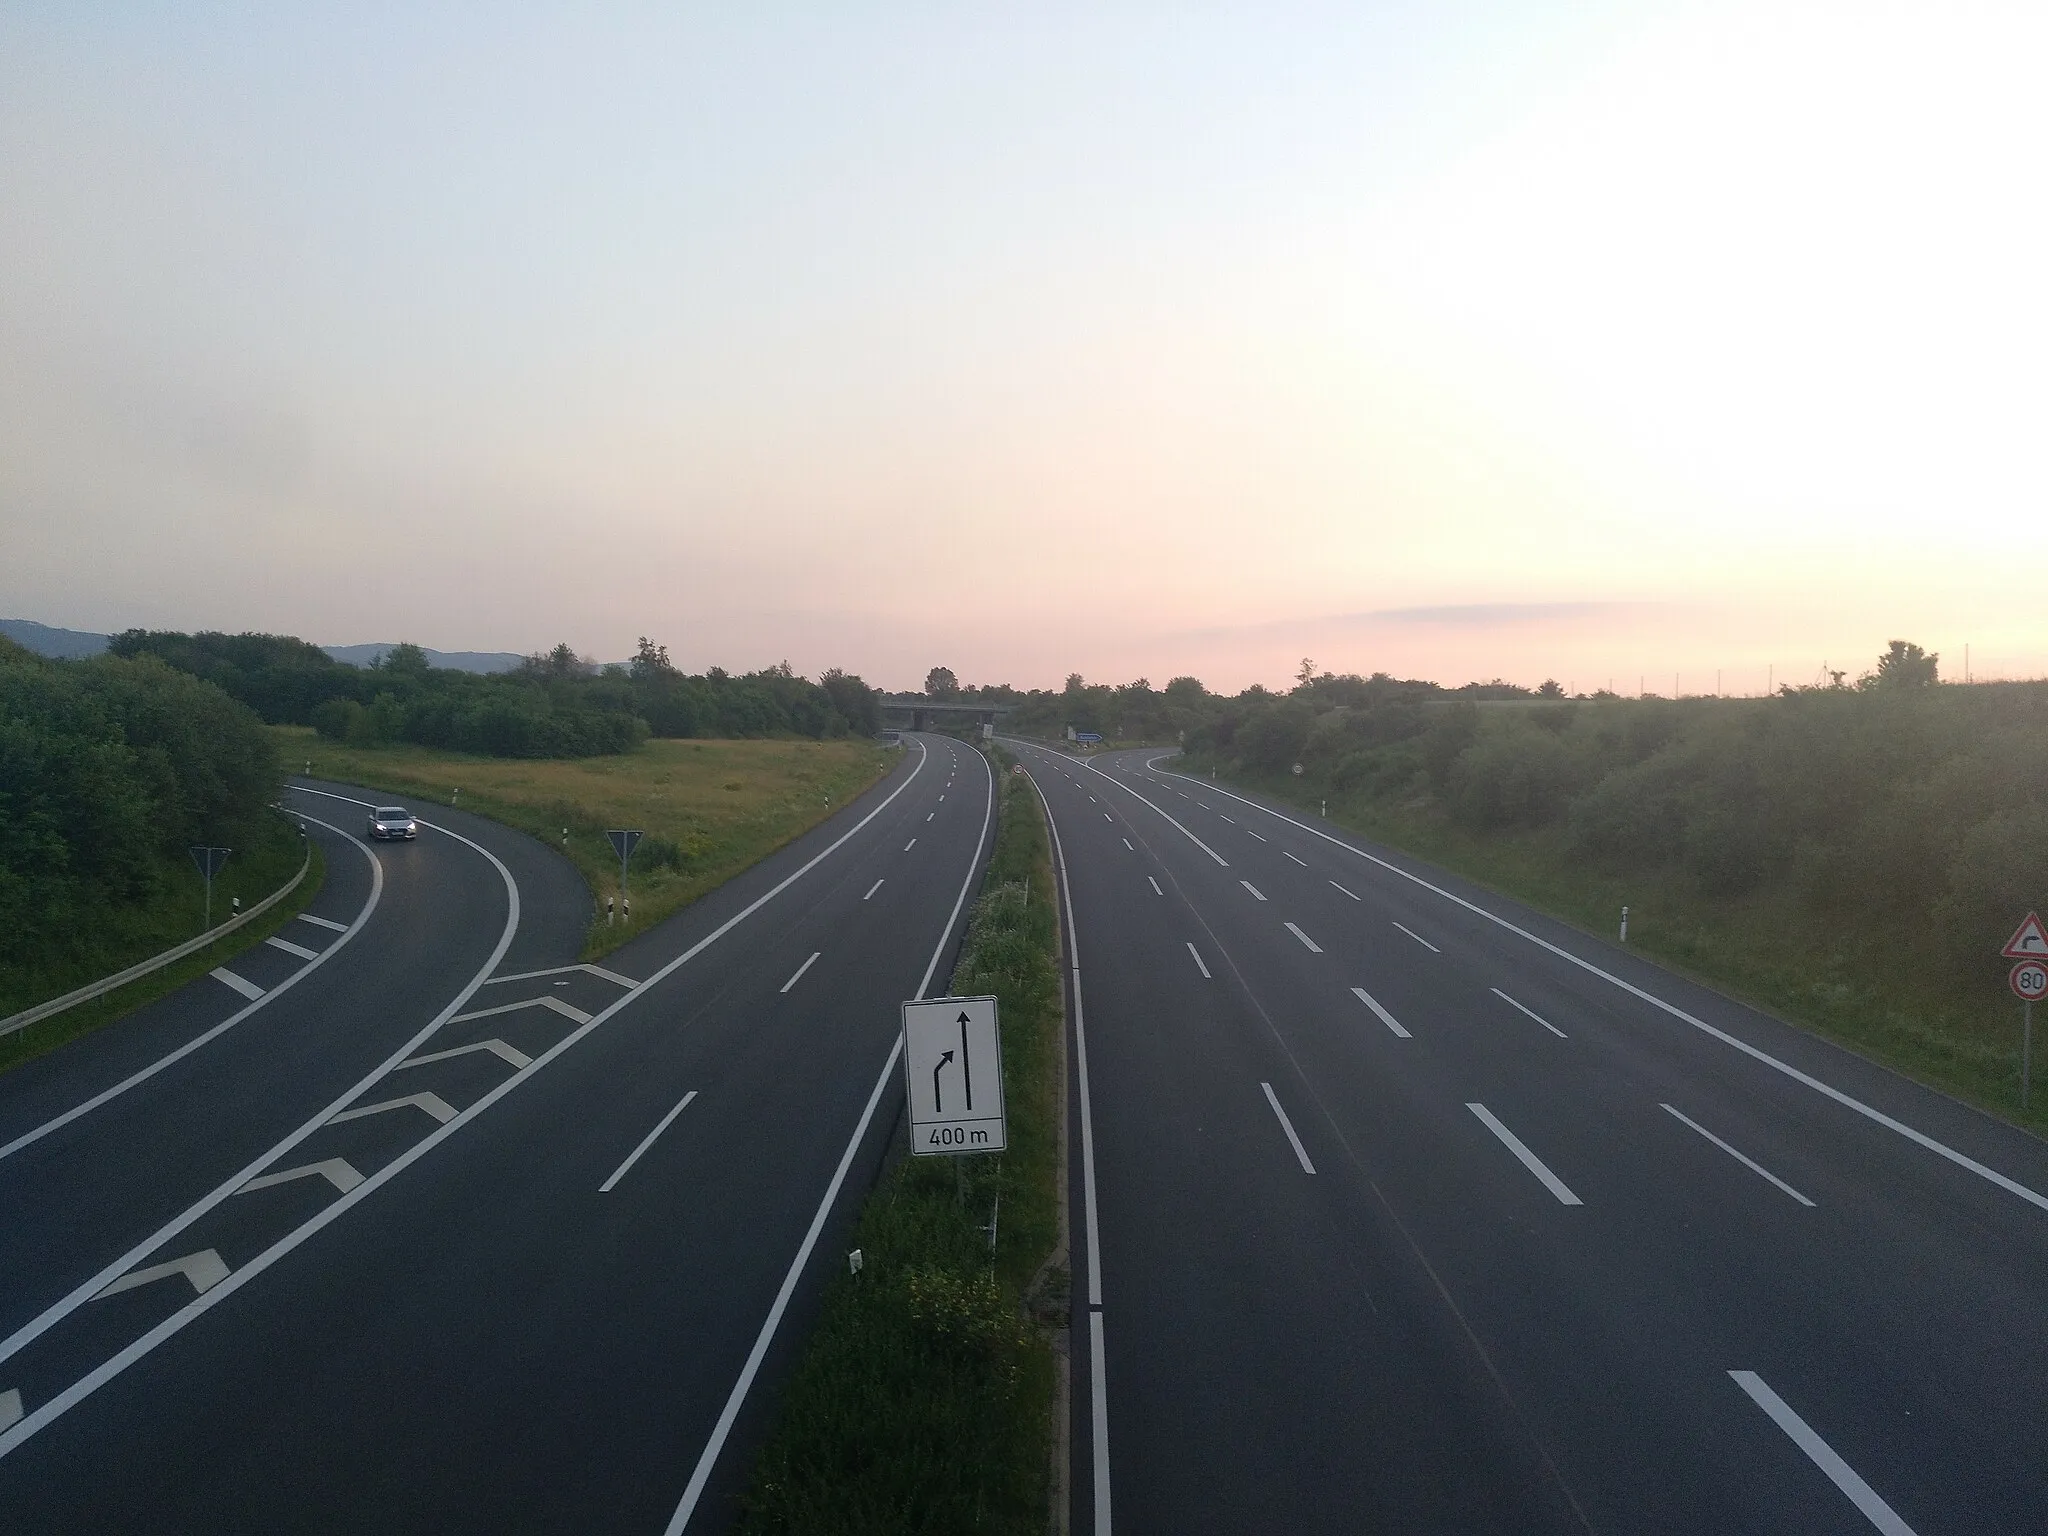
{"x":623,"y":844}
{"x":2029,"y":982}
{"x":953,"y":1076}
{"x":209,"y":861}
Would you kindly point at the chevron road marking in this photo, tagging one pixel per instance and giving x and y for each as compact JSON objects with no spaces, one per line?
{"x":562,"y":970}
{"x":323,"y":922}
{"x":204,"y":1269}
{"x":511,"y":1055}
{"x":226,"y":977}
{"x":566,"y":1010}
{"x":10,"y":1406}
{"x":432,"y":1103}
{"x":335,"y":1170}
{"x":292,"y":949}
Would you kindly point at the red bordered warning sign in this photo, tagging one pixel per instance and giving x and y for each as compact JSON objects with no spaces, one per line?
{"x":2030,"y":943}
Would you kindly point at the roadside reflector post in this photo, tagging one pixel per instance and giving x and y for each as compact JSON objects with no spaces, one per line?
{"x":853,"y":1262}
{"x":1624,"y":925}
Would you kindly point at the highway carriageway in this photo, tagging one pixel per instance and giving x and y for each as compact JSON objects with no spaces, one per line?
{"x":454,"y":1233}
{"x":1402,"y":1207}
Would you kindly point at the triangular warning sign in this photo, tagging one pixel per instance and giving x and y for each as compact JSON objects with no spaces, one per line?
{"x":2030,"y":943}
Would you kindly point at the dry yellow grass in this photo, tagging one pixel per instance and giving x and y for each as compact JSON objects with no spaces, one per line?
{"x":709,"y":808}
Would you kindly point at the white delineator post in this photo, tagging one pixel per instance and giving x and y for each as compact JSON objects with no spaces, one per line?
{"x":1624,"y":925}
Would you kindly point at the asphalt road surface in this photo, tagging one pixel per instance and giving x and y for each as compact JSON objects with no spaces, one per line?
{"x":417,"y":1225}
{"x":1402,"y":1208}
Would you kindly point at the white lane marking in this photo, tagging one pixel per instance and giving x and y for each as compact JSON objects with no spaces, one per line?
{"x":1229,"y":819}
{"x":1098,"y":1415}
{"x":730,"y":1412}
{"x":942,"y":798}
{"x":558,"y":970}
{"x":1107,"y":817}
{"x":1287,"y":1125}
{"x":337,"y":1171}
{"x":1418,"y":938}
{"x":247,"y":988}
{"x":432,"y":1103}
{"x":1257,"y":894}
{"x":1822,"y":1455}
{"x":1155,"y":886}
{"x":874,"y":888}
{"x":1203,"y":804}
{"x":323,"y":922}
{"x":910,"y":845}
{"x":799,"y":976}
{"x":928,"y":818}
{"x":1529,"y":1159}
{"x":1248,"y":832}
{"x":1386,"y":1018}
{"x":1353,"y":896}
{"x":1183,"y":831}
{"x":1753,"y":1166}
{"x":552,"y":1004}
{"x":11,"y":1440}
{"x":1297,"y":858}
{"x":1127,"y":844}
{"x":292,"y":949}
{"x":1198,"y":962}
{"x":1755,"y":1053}
{"x":666,"y":1121}
{"x":1496,"y":991}
{"x":1313,"y":946}
{"x":204,"y":1269}
{"x":10,"y":1406}
{"x":511,"y":1055}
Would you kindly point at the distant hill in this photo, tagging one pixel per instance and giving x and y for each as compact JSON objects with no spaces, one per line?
{"x":46,"y":641}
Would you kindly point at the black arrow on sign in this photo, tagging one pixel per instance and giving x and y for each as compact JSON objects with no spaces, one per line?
{"x":939,"y":1103}
{"x":966,"y":1067}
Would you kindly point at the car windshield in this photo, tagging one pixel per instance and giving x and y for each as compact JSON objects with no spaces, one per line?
{"x":394,"y":813}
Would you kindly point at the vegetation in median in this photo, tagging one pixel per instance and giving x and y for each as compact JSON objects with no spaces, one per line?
{"x":923,"y":1401}
{"x":709,"y":808}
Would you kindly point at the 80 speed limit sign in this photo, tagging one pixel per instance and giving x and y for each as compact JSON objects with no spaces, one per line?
{"x":2030,"y":980}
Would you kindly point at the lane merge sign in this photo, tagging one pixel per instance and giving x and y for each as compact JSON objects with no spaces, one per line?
{"x":953,"y":1076}
{"x":2030,"y":943}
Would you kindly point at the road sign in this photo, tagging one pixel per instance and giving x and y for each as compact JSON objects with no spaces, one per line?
{"x":1089,"y":736}
{"x":2029,"y":980}
{"x":953,"y":1073}
{"x":209,"y":860}
{"x":623,"y":844}
{"x":2030,"y":943}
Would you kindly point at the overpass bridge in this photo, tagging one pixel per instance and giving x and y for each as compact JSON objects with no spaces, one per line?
{"x":916,"y":712}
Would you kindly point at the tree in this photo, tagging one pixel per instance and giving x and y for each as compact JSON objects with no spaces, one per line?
{"x":1550,"y":689}
{"x":1905,"y":665}
{"x":1305,"y":673}
{"x":404,"y":659}
{"x":940,"y":683}
{"x":649,"y":662}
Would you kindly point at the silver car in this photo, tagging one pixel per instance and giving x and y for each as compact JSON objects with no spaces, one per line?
{"x":389,"y":821}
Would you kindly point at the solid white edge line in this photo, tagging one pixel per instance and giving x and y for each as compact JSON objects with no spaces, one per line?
{"x":634,"y":1156}
{"x":107,"y":1371}
{"x":1287,"y":1125}
{"x":709,"y":1458}
{"x":1198,"y":961}
{"x":1532,"y":1013}
{"x":799,"y":976}
{"x":1418,"y":938}
{"x":1822,"y":1455}
{"x":1385,"y":1017}
{"x":1529,"y":1160}
{"x":1754,"y":1167}
{"x":126,"y":1083}
{"x":1098,"y":1404}
{"x":1755,"y":1053}
{"x":1313,"y":947}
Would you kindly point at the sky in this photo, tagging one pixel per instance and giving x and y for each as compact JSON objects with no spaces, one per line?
{"x":1664,"y":346}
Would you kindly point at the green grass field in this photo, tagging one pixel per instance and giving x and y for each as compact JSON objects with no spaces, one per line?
{"x":709,"y":808}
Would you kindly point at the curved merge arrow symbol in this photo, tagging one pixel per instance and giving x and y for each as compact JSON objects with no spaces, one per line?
{"x":938,"y":1100}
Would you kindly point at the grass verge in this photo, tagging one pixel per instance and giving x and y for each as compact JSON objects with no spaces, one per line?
{"x":923,"y":1402}
{"x":1765,"y":950}
{"x":709,"y":808}
{"x":164,"y":926}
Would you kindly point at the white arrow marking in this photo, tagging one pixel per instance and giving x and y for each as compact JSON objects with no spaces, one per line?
{"x":509,"y":1054}
{"x":432,"y":1103}
{"x":566,"y":1010}
{"x":292,"y":949}
{"x":204,"y":1269}
{"x":334,"y":1170}
{"x":226,"y":977}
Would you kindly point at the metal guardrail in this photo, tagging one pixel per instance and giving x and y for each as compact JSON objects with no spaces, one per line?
{"x":107,"y":984}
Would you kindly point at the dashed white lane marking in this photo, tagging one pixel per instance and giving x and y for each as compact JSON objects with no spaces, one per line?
{"x":799,"y":976}
{"x":942,"y":799}
{"x":552,"y":1004}
{"x":1822,"y":1455}
{"x":1529,"y":1160}
{"x":1231,"y":820}
{"x":1418,"y":938}
{"x":1198,"y":962}
{"x":1754,"y":1167}
{"x":1385,"y":1017}
{"x":511,"y":1055}
{"x":1287,"y":1125}
{"x":248,"y":989}
{"x":1107,"y":817}
{"x":910,"y":845}
{"x":432,"y":1103}
{"x":1301,"y":861}
{"x":323,"y":922}
{"x":934,"y":813}
{"x":1127,"y":844}
{"x":1313,"y":946}
{"x":1353,"y":895}
{"x":874,"y":888}
{"x":560,"y":970}
{"x":292,"y":949}
{"x":1496,"y":991}
{"x":10,"y":1406}
{"x":1257,"y":894}
{"x":1155,"y":886}
{"x":204,"y":1269}
{"x":1248,"y":832}
{"x":337,"y":1171}
{"x":666,"y":1121}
